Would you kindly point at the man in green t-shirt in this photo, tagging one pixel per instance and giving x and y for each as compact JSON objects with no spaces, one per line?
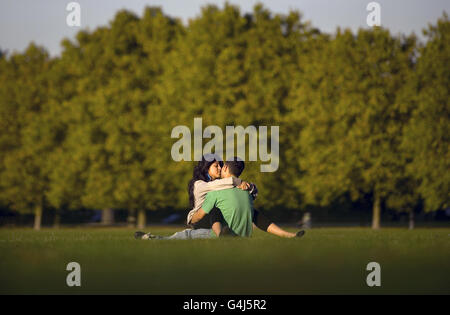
{"x":235,"y":204}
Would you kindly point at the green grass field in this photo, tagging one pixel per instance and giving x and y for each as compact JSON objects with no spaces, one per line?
{"x":324,"y":261}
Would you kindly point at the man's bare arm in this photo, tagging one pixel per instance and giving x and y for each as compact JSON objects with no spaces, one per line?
{"x":198,"y":215}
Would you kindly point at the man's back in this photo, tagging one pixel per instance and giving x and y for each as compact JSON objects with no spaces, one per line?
{"x":236,"y":206}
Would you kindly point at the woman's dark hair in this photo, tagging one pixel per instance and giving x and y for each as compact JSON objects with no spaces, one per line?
{"x":200,"y":173}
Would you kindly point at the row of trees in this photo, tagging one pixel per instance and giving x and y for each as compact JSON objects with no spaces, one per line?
{"x":359,"y":114}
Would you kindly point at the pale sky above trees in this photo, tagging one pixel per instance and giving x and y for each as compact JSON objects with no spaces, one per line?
{"x":44,"y":22}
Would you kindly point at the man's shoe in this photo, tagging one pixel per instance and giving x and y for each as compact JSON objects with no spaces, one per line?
{"x":139,"y":235}
{"x":300,"y":233}
{"x":146,"y":236}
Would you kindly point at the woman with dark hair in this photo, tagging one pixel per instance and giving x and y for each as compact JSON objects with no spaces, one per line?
{"x":206,"y":178}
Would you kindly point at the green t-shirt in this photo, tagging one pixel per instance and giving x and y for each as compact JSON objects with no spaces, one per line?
{"x":236,"y":206}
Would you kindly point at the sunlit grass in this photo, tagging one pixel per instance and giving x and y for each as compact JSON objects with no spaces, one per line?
{"x":328,"y":260}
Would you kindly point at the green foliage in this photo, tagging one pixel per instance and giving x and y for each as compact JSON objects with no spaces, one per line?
{"x":427,"y":133}
{"x":345,"y":103}
{"x":26,"y":131}
{"x":363,"y":113}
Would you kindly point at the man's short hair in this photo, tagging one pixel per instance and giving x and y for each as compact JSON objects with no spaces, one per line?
{"x":236,"y":166}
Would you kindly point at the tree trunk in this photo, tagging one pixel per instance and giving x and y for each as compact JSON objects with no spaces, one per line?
{"x":107,"y":216}
{"x":411,"y":219}
{"x":57,"y":220}
{"x":37,"y":217}
{"x":376,"y":212}
{"x":131,"y":219}
{"x":141,"y":219}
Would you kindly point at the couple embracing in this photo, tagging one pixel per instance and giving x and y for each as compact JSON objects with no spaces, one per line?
{"x":222,"y":204}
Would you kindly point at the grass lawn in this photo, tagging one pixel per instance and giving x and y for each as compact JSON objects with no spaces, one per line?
{"x":324,"y":261}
